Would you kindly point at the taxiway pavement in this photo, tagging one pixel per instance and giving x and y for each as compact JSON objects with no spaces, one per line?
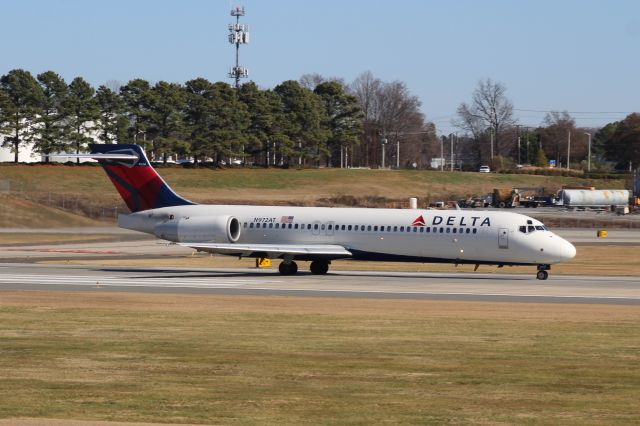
{"x":379,"y":285}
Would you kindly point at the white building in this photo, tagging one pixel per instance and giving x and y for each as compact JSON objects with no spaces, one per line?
{"x":26,"y":153}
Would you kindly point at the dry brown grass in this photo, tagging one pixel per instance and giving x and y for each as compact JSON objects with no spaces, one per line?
{"x":57,"y":422}
{"x":246,"y":360}
{"x":277,"y":186}
{"x":8,"y":238}
{"x":19,"y":213}
{"x":349,"y":307}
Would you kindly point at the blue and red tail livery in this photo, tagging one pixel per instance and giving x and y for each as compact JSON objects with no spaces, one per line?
{"x":136,"y":180}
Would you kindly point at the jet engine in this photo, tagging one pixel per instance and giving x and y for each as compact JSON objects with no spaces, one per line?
{"x":201,"y":229}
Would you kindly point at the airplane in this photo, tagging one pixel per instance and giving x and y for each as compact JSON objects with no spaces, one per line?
{"x":323,"y":234}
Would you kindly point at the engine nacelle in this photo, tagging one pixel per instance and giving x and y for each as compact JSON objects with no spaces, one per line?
{"x":200,"y":229}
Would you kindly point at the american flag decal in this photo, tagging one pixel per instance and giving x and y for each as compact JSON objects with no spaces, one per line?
{"x":286,"y":219}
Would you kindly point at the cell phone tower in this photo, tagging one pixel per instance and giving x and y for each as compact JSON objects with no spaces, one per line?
{"x":238,"y":34}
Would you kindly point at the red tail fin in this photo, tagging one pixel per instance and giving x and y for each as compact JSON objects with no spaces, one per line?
{"x":139,"y":185}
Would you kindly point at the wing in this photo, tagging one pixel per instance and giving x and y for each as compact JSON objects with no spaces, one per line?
{"x":274,"y":251}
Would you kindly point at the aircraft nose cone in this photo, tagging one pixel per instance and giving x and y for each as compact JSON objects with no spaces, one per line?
{"x":568,"y":250}
{"x":559,"y":250}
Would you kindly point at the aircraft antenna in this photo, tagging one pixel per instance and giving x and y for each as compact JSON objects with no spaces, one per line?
{"x":238,"y":34}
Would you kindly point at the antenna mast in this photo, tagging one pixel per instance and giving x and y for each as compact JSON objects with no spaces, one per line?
{"x":238,"y":34}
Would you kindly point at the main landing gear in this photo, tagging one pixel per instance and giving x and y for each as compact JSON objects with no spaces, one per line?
{"x":318,"y":267}
{"x":288,"y":268}
{"x":542,"y":272}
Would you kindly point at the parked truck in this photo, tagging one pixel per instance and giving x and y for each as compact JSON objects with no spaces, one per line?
{"x":514,"y":197}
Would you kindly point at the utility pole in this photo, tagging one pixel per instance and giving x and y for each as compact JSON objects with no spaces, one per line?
{"x":384,"y":142}
{"x":397,"y":152}
{"x":568,"y":149}
{"x":518,"y":128}
{"x":442,"y":138}
{"x":238,"y":34}
{"x":589,"y":154}
{"x":451,"y":142}
{"x":492,"y":145}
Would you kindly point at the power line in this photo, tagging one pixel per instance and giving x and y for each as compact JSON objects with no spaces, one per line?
{"x":575,"y":112}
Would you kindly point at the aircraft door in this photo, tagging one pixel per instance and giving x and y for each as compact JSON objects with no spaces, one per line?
{"x":330,"y":228}
{"x":503,"y":238}
{"x":315,"y":228}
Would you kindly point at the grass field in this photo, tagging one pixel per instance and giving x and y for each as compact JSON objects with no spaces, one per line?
{"x":277,"y":186}
{"x":22,"y":239}
{"x":278,"y":361}
{"x":16,"y":212}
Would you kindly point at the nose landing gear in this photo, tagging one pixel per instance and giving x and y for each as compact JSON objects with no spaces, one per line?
{"x":542,"y":275}
{"x":542,"y":272}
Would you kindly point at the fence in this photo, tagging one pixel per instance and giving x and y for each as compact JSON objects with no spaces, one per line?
{"x":94,"y":208}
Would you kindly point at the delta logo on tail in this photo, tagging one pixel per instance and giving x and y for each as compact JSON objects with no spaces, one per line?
{"x":419,"y":221}
{"x":137,"y":182}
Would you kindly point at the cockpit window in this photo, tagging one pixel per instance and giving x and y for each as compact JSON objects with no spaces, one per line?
{"x":531,"y":228}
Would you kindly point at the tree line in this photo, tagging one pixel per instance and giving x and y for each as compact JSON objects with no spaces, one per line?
{"x":492,"y":135}
{"x":313,"y":121}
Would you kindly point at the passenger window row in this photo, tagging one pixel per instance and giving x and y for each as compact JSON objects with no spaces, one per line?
{"x":362,"y":228}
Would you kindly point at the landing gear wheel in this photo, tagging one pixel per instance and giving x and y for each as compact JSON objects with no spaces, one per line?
{"x":288,"y":268}
{"x":319,"y":267}
{"x":542,"y":275}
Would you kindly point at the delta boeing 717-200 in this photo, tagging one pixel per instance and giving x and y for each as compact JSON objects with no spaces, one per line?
{"x":321,"y":234}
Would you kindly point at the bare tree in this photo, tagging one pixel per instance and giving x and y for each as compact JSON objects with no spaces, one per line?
{"x":474,"y":127}
{"x":489,"y":107}
{"x":114,"y":85}
{"x":311,"y":81}
{"x":557,"y":125}
{"x":366,"y":88}
{"x":392,"y":113}
{"x":398,"y":110}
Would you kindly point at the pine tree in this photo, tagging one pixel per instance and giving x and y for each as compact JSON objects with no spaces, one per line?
{"x":18,"y":108}
{"x":83,"y":111}
{"x":111,"y":115}
{"x":166,"y":103}
{"x":344,"y":117}
{"x":541,"y":159}
{"x":52,"y":114}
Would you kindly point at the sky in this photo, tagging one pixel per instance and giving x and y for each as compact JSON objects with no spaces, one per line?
{"x":579,"y":56}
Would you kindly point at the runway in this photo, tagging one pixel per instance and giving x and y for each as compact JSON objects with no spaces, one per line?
{"x":345,"y":284}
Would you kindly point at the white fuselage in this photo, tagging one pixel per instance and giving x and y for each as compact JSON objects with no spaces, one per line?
{"x":456,"y":236}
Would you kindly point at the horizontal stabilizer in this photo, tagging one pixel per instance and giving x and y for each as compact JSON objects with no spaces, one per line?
{"x":272,"y":250}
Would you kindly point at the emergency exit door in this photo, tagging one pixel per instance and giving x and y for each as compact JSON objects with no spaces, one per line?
{"x":503,"y":238}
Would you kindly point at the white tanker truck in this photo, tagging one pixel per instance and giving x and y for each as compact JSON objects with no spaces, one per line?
{"x":593,"y":198}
